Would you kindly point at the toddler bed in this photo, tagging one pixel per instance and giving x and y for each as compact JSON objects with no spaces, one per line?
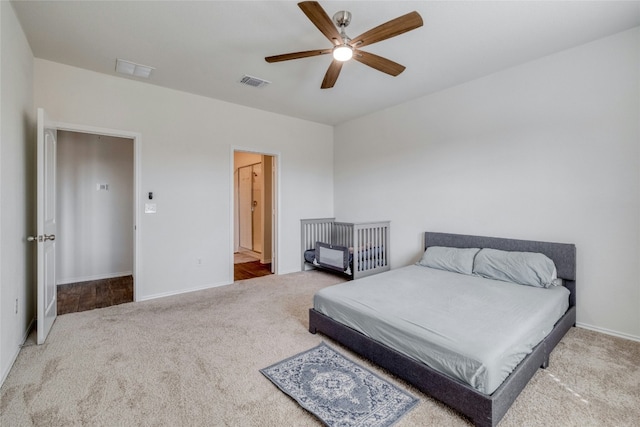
{"x":442,"y":325}
{"x":354,"y":250}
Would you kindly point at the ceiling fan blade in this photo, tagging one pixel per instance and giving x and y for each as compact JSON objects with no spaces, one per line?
{"x":297,"y":55}
{"x":378,"y":62}
{"x":332,"y":74}
{"x":395,"y":27}
{"x":321,"y":20}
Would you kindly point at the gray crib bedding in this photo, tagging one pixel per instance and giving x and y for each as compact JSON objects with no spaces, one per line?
{"x":473,"y":329}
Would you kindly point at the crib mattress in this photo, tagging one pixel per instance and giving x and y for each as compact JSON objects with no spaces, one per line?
{"x":473,"y":329}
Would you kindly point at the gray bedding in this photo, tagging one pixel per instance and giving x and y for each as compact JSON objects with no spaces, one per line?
{"x":473,"y":329}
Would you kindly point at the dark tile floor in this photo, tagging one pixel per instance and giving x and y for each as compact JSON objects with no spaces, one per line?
{"x":74,"y":297}
{"x":249,"y":270}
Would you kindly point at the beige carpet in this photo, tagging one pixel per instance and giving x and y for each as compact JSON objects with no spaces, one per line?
{"x":194,"y":360}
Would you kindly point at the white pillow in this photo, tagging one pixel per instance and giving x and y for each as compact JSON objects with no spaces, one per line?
{"x":458,"y":260}
{"x":524,"y":268}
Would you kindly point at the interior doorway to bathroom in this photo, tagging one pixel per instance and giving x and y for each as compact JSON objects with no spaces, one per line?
{"x":254,"y":214}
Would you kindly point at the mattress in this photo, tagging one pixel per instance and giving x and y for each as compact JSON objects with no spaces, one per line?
{"x":470,"y":328}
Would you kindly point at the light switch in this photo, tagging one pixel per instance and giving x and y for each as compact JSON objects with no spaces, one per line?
{"x":150,"y":208}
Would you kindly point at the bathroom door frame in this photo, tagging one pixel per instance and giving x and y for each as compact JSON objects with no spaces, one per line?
{"x":137,"y":158}
{"x":275,"y":216}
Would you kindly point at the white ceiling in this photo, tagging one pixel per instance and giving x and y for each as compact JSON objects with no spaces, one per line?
{"x":205,"y":47}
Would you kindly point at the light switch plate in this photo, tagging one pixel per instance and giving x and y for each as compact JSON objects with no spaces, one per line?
{"x":149,"y":208}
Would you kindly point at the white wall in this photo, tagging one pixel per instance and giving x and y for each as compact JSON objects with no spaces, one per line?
{"x":17,"y":158}
{"x":548,"y":150}
{"x":186,"y":160}
{"x":95,"y":227}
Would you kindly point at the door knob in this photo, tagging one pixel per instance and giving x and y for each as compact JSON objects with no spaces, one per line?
{"x":41,"y":238}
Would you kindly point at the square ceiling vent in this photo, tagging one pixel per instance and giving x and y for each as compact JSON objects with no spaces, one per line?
{"x":132,"y":69}
{"x":253,"y":81}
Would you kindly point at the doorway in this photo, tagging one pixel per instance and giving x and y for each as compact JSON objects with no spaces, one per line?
{"x":254,"y":214}
{"x":95,"y":205}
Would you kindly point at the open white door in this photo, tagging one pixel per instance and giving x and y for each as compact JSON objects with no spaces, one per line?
{"x":46,"y":213}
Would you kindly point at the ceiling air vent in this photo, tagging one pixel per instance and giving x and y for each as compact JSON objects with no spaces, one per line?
{"x":253,"y":81}
{"x":132,"y":69}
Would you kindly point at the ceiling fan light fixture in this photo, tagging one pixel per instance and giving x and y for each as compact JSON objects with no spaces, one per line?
{"x":343,"y":52}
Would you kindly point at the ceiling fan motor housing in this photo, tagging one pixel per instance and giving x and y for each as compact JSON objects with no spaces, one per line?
{"x":342,"y":18}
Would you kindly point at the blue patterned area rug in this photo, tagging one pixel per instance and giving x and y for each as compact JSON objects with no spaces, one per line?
{"x":339,"y":391}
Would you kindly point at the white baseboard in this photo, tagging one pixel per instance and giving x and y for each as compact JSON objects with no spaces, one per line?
{"x":5,"y":374}
{"x":608,"y":332}
{"x":95,"y":277}
{"x":186,"y":291}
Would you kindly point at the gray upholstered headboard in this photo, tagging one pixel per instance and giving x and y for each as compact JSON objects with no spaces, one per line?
{"x":562,"y":254}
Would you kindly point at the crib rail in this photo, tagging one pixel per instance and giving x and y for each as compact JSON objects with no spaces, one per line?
{"x":343,"y":234}
{"x":316,"y":230}
{"x":372,"y":241}
{"x":368,"y":242}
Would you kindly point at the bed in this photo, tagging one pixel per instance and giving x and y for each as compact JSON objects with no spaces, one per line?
{"x":473,"y":389}
{"x":351,"y":249}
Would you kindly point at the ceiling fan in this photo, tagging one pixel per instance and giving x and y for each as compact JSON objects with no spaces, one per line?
{"x":346,"y":48}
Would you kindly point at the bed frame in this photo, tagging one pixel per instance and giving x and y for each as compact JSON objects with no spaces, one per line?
{"x":356,"y":235}
{"x":483,"y":409}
